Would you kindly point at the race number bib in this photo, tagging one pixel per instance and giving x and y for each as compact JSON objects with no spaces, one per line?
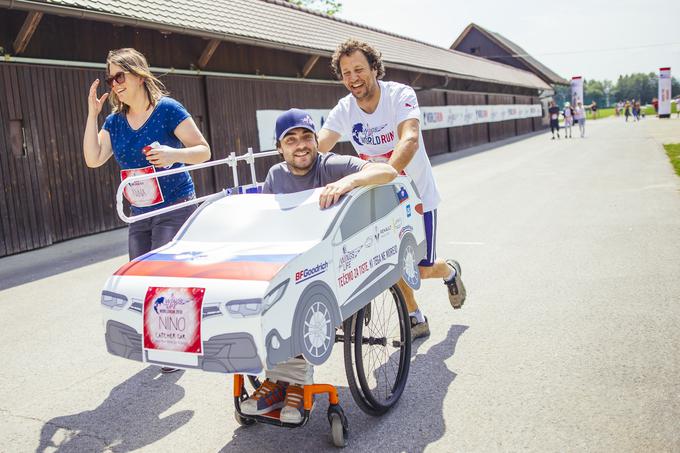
{"x":553,"y":116}
{"x":382,"y":158}
{"x":142,"y":193}
{"x":172,"y":319}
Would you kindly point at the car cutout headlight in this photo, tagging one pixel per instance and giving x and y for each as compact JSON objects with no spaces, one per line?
{"x":244,"y":307}
{"x":274,"y":295}
{"x":113,"y":300}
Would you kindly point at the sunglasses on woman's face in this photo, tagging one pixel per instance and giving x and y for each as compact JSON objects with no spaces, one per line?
{"x":119,"y":77}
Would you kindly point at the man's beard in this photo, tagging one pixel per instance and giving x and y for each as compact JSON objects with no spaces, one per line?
{"x":312,"y":159}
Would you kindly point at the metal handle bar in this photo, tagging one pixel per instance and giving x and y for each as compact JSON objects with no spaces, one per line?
{"x":231,"y":160}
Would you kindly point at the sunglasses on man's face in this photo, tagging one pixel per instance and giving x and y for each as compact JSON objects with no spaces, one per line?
{"x":119,"y":77}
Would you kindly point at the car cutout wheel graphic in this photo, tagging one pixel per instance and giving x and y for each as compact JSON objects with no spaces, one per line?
{"x":410,"y":271}
{"x":315,"y":329}
{"x":317,"y":338}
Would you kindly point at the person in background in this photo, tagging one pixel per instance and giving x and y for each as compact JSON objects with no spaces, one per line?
{"x":638,"y":110}
{"x":568,"y":114}
{"x":146,"y":130}
{"x":554,"y":115}
{"x":633,"y":109}
{"x":580,"y":118}
{"x":593,"y":108}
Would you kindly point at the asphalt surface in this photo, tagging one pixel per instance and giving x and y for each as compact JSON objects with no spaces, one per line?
{"x":569,"y":340}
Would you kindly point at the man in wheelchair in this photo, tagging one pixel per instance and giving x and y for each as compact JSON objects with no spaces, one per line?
{"x":303,"y":169}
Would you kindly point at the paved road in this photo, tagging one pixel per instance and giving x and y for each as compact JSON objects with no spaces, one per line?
{"x":569,"y":340}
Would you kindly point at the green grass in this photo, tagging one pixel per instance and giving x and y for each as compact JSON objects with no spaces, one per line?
{"x":673,"y":152}
{"x":604,"y":113}
{"x":601,"y":113}
{"x":648,"y":110}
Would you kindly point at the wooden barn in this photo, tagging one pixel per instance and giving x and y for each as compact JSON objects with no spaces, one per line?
{"x":478,"y":41}
{"x":225,"y":61}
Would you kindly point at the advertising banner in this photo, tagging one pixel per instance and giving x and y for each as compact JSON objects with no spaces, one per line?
{"x":576,"y":90}
{"x":664,"y":92}
{"x":430,"y":118}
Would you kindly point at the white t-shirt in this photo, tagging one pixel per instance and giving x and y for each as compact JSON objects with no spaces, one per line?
{"x":374,"y":135}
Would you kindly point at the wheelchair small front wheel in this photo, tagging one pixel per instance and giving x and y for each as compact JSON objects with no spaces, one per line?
{"x":339,"y":429}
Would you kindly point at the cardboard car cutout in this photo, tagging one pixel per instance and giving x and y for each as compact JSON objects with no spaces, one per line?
{"x":252,"y":280}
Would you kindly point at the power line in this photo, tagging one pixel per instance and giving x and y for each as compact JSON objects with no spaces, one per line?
{"x":575,"y":52}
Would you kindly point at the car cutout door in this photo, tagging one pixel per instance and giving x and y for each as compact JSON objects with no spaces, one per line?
{"x":384,"y":253}
{"x":367,"y":240}
{"x":352,"y":245}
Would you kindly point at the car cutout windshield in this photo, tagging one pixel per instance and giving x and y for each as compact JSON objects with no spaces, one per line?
{"x":263,"y":218}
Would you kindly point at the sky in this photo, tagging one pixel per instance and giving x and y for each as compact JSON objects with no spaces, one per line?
{"x":596,"y":39}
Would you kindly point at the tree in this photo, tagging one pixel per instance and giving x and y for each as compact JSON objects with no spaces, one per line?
{"x":639,"y":86}
{"x":593,"y":90}
{"x":329,"y":7}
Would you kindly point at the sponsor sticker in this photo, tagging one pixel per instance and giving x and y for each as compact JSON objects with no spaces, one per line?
{"x":309,"y":272}
{"x":405,"y":230}
{"x":348,"y":255}
{"x":402,"y":194}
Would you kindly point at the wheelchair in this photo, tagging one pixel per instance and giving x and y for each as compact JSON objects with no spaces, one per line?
{"x":377,"y":352}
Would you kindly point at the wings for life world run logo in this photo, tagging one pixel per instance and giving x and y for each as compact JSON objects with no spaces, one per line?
{"x":364,"y":135}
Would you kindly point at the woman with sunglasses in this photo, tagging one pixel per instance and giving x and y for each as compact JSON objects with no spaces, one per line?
{"x":147,"y":131}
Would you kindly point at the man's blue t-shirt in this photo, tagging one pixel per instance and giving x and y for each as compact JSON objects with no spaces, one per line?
{"x":128,"y":145}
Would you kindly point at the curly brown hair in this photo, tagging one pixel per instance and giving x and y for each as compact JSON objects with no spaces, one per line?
{"x":350,"y":46}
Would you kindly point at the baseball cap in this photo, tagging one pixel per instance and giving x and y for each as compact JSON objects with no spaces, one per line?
{"x":291,"y":119}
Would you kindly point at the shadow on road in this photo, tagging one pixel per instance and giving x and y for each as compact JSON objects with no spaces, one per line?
{"x":65,"y":256}
{"x":127,"y":420}
{"x":415,"y":422}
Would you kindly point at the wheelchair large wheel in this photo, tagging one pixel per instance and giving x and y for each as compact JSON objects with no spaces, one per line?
{"x":377,"y":357}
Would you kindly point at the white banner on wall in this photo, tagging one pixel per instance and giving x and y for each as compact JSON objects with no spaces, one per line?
{"x":576,"y":90}
{"x":430,"y":118}
{"x":665,"y":91}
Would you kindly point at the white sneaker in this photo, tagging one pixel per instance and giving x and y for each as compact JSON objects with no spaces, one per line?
{"x":293,"y":411}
